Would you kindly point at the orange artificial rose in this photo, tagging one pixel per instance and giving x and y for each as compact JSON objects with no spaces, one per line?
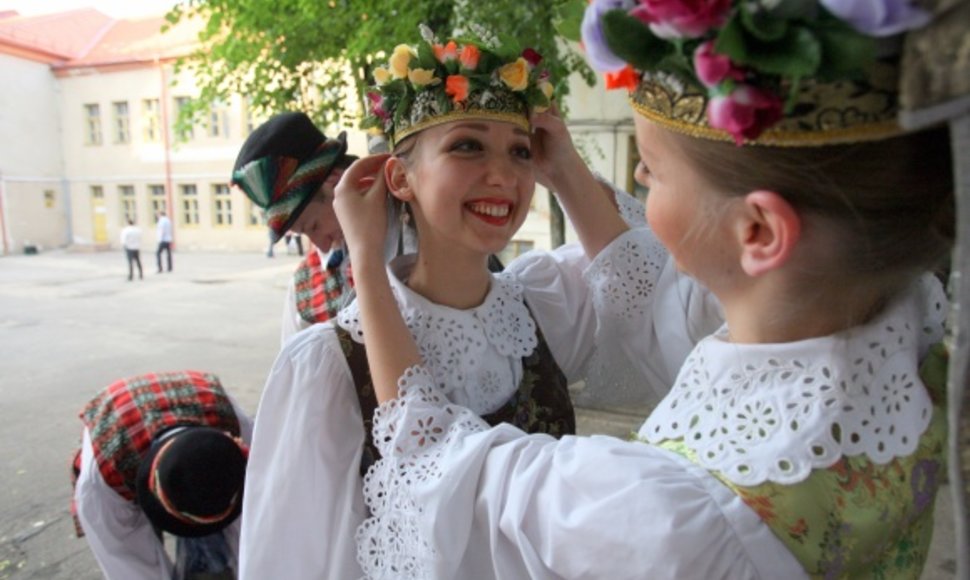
{"x":515,"y":74}
{"x":446,"y":52}
{"x":469,"y":56}
{"x":457,"y":87}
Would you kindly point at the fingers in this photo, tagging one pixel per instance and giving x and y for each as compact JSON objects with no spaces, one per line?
{"x":362,"y":176}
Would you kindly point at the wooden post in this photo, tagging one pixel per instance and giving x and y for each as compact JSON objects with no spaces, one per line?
{"x":959,"y":371}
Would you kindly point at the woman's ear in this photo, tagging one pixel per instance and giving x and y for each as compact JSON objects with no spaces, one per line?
{"x":768,"y":230}
{"x":396,"y":176}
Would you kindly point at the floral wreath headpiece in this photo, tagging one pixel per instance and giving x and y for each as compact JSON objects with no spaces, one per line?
{"x":437,"y":82}
{"x":768,"y":72}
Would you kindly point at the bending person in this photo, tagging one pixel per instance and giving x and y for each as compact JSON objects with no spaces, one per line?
{"x":162,"y":453}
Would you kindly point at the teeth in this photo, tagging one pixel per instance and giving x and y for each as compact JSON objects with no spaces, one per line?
{"x":490,"y":209}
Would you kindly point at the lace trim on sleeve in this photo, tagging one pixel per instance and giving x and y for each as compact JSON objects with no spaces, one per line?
{"x":623,"y":277}
{"x":632,"y":210}
{"x":411,"y":433}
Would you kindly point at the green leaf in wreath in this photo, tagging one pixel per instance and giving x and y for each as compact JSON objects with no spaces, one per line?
{"x":426,"y":58}
{"x":568,"y":19}
{"x":762,"y":25}
{"x":845,"y":51}
{"x":631,"y":40}
{"x":796,"y":54}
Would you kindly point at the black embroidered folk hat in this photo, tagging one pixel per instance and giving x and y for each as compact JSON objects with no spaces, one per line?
{"x":283,"y":163}
{"x":190,"y":483}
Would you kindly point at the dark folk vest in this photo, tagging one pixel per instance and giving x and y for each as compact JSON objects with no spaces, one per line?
{"x":540,"y":405}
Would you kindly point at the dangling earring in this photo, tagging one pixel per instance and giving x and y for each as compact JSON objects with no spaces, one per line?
{"x":405,"y":215}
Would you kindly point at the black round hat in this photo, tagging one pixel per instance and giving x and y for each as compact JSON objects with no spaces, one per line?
{"x":190,"y":483}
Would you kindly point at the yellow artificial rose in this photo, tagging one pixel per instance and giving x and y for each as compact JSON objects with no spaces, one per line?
{"x":515,"y":74}
{"x":381,"y":75}
{"x":547,"y":90}
{"x":422,"y":76}
{"x":398,"y":63}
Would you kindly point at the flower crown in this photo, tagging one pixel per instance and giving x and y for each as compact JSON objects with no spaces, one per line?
{"x":775,"y":72}
{"x":433,"y":83}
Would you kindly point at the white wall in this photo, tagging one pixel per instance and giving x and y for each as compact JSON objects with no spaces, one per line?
{"x":31,"y":161}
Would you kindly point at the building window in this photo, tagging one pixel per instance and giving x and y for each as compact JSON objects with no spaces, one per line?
{"x":633,"y":158}
{"x":122,"y":133}
{"x":219,"y":120}
{"x":156,"y":193}
{"x":92,"y":115}
{"x":190,"y":204}
{"x":514,"y":249}
{"x":255,"y":214}
{"x":249,"y":120}
{"x":150,"y":113}
{"x":49,"y":200}
{"x":127,"y":195}
{"x":186,"y":134}
{"x":222,"y":216}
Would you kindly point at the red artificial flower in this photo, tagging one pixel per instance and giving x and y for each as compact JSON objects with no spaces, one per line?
{"x":532,"y":57}
{"x":626,"y":78}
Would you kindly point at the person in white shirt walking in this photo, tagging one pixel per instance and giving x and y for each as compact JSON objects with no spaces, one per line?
{"x":163,"y":231}
{"x":131,"y":242}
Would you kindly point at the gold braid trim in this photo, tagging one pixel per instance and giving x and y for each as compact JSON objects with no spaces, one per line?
{"x":481,"y":114}
{"x":777,"y":138}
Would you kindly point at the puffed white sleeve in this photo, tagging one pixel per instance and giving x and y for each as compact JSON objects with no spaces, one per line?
{"x":292,"y":322}
{"x":452,"y":498}
{"x":624,"y":322}
{"x":118,"y":532}
{"x":303,"y":487}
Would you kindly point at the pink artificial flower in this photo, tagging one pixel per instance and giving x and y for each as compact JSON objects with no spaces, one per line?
{"x":712,"y":68}
{"x":532,"y":57}
{"x":745,"y":112}
{"x":682,"y":18}
{"x":377,"y":105}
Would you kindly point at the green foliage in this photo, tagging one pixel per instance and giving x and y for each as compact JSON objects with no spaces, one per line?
{"x":302,"y":54}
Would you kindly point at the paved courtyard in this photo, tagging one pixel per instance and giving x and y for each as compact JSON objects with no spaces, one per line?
{"x":70,"y":323}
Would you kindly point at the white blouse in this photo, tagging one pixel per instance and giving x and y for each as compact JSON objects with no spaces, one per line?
{"x":462,"y":500}
{"x":304,"y":495}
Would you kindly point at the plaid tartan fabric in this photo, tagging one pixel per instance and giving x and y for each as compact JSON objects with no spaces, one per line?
{"x":124,"y":418}
{"x":319,"y":290}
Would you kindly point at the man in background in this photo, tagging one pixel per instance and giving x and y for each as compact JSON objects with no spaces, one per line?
{"x":131,"y":242}
{"x":163,"y":231}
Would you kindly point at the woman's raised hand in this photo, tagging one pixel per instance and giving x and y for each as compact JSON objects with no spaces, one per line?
{"x":552,"y":148}
{"x":360,"y":205}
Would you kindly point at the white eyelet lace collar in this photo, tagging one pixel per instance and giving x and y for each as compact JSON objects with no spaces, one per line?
{"x":774,"y":412}
{"x":454,"y":344}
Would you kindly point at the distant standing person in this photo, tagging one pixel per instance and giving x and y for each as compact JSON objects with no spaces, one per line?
{"x":163,"y":231}
{"x":131,"y":242}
